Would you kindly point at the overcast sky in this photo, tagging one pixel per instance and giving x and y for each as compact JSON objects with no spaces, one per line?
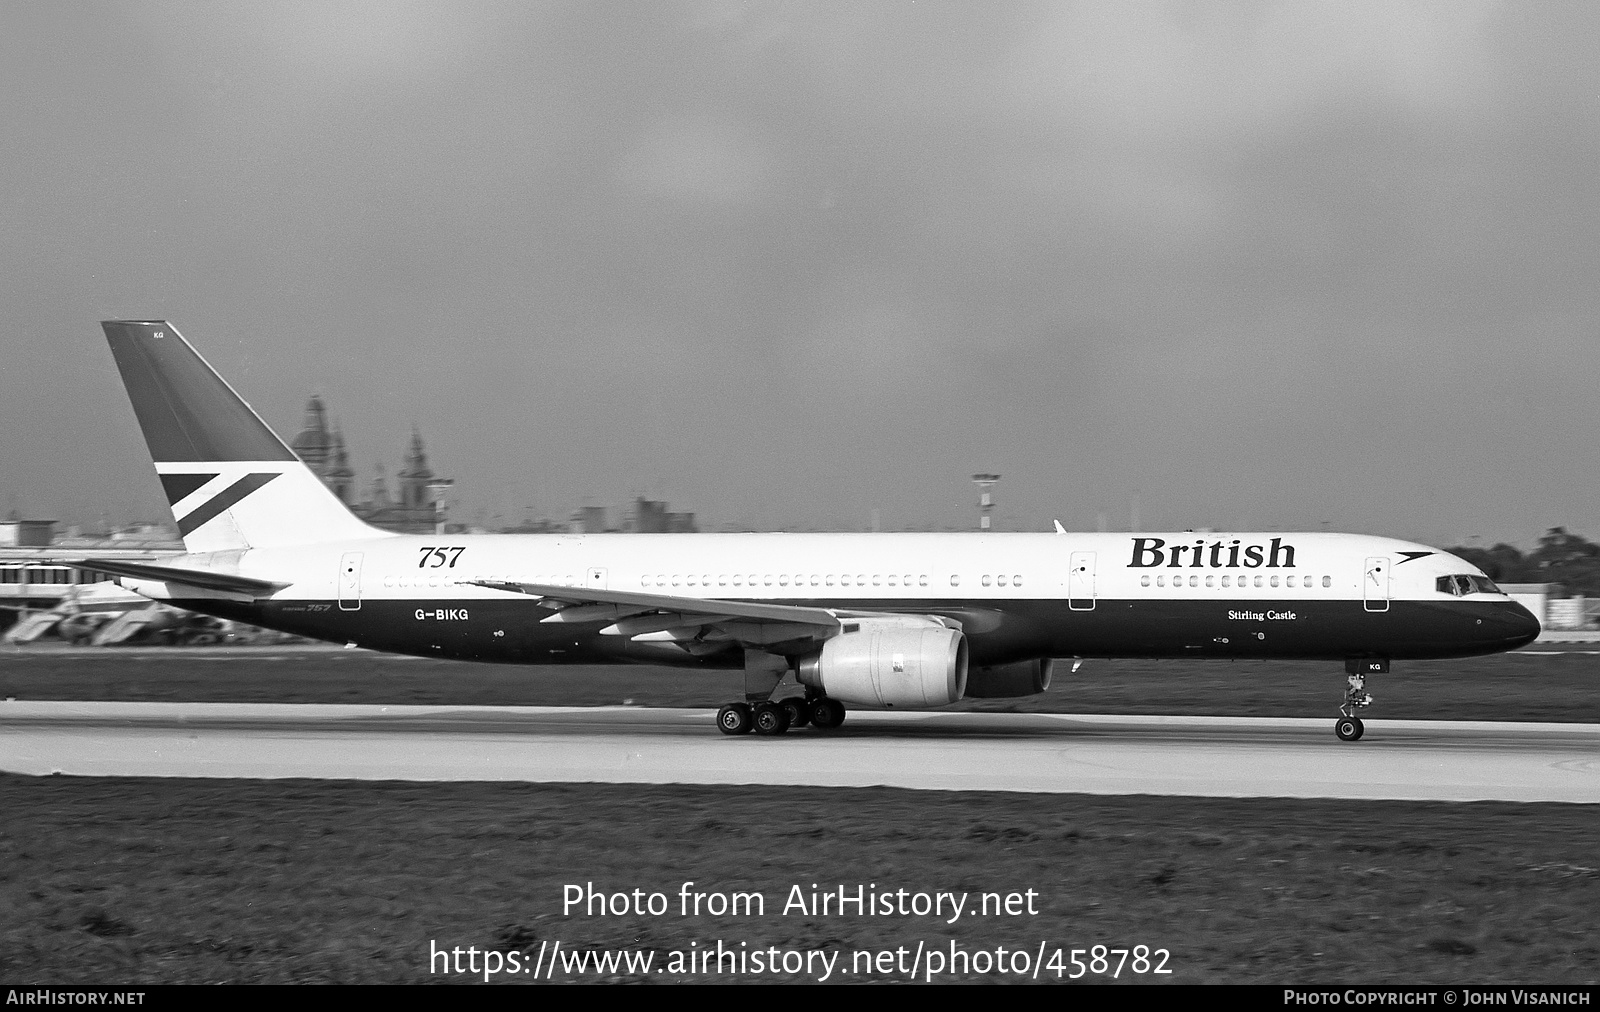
{"x":1259,"y":265}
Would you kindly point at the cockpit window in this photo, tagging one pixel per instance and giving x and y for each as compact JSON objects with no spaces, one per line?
{"x":1464,"y":584}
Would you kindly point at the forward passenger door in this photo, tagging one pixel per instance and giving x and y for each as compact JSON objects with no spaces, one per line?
{"x":1080,"y":582}
{"x":1375,"y":584}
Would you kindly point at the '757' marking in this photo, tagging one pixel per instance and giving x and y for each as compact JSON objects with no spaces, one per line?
{"x":439,"y":558}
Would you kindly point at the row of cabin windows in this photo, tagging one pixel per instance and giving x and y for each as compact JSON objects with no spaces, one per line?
{"x":784,"y":580}
{"x":723,"y":580}
{"x":999,"y":581}
{"x":460,"y":581}
{"x":58,"y":575}
{"x":1243,"y":581}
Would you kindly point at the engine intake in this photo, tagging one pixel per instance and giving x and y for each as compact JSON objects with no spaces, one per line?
{"x":1004,"y":681}
{"x":915,"y":664}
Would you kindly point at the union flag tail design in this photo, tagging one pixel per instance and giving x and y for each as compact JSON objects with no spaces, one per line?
{"x":231,"y":482}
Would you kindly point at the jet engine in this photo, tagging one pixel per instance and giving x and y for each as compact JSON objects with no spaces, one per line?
{"x":914,"y":663}
{"x":1024,"y":678}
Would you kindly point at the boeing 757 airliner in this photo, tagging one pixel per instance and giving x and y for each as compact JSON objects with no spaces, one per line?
{"x":908,"y":621}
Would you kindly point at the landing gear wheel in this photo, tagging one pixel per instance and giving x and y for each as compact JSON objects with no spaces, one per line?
{"x":798,"y":709}
{"x":827,"y":713}
{"x":771,"y":719}
{"x":735,"y":718}
{"x":1349,"y":728}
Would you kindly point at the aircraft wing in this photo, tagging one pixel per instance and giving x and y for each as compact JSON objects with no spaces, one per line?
{"x":204,"y":579}
{"x":673,"y":618}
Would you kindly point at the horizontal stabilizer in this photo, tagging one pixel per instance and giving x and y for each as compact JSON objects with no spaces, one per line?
{"x":204,"y":579}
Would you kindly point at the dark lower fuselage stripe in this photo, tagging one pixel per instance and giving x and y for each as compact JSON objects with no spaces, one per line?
{"x":222,"y":501}
{"x":998,"y":631}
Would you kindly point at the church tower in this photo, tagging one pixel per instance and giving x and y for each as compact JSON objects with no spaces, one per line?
{"x":314,"y":445}
{"x":340,"y":478}
{"x":415,"y":477}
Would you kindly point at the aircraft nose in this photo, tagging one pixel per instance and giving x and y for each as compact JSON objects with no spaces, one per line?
{"x":1521,"y":628}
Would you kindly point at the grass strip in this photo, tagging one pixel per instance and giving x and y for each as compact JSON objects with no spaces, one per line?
{"x":169,"y":880}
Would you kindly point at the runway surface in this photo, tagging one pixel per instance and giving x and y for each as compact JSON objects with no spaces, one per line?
{"x":1054,"y":753}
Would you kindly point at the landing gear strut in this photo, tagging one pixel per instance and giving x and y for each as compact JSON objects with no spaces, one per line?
{"x":1349,"y":727}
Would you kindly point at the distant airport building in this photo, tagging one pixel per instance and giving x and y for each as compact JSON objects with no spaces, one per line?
{"x":31,"y":577}
{"x":1553,"y":606}
{"x":651,"y":517}
{"x":413,"y":510}
{"x":18,"y":533}
{"x":588,"y":520}
{"x":647,"y":516}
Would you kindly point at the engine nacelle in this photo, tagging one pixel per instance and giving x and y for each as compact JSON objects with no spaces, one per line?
{"x":1024,"y":678}
{"x":913,"y":664}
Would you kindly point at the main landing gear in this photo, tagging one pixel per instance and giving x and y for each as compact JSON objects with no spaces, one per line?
{"x":1349,"y":727}
{"x":771,"y":717}
{"x":765,"y":715}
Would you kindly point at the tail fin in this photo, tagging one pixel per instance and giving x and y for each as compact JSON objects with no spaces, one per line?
{"x":231,"y":482}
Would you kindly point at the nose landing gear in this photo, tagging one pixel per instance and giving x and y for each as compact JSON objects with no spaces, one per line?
{"x":1349,"y":727}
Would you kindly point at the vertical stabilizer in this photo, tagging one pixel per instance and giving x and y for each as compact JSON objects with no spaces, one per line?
{"x":231,"y":482}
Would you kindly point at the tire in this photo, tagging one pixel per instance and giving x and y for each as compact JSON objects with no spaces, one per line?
{"x":770,"y":719}
{"x":827,"y":713}
{"x":1349,"y":728}
{"x":735,"y":718}
{"x":798,"y":709}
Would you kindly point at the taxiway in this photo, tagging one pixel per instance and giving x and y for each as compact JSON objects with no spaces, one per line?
{"x":1052,"y":753}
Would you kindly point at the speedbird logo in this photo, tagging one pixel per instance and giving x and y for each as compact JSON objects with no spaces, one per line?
{"x":1149,"y":553}
{"x":180,"y":486}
